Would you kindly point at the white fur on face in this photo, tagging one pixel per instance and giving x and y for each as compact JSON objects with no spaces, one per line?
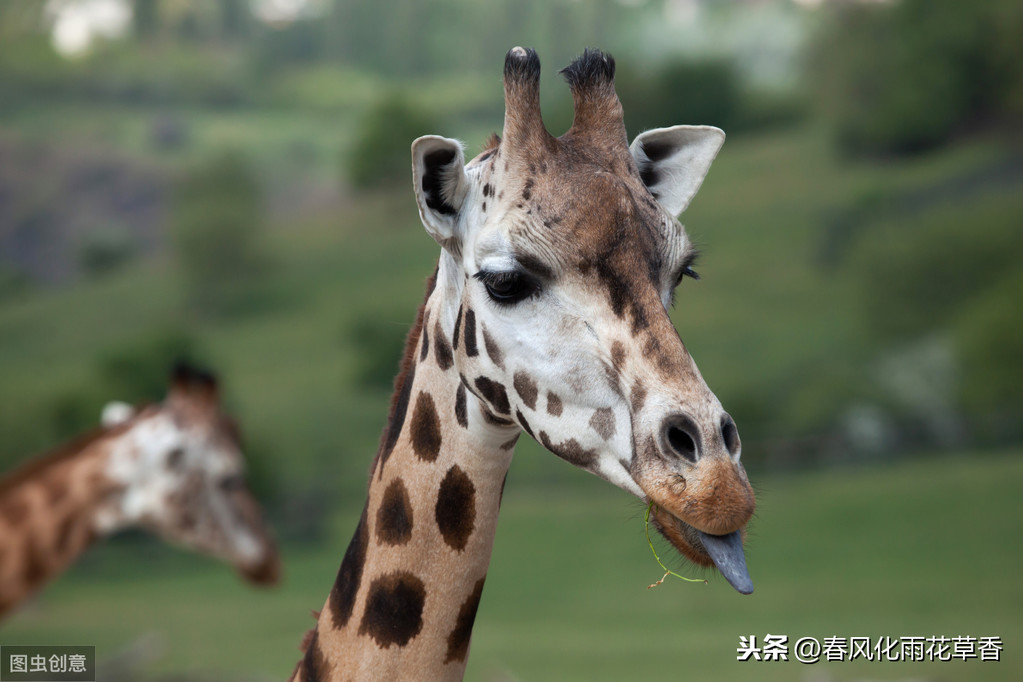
{"x":562,"y":338}
{"x":169,"y":473}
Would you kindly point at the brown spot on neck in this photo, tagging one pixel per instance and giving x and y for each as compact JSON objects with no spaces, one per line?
{"x":349,"y":576}
{"x":314,"y":666}
{"x":425,"y":430}
{"x":395,"y":516}
{"x":458,"y":640}
{"x":14,"y":511}
{"x":394,"y":609}
{"x":455,"y":511}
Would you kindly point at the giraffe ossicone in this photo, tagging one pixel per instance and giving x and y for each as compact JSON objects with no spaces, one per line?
{"x":174,"y":468}
{"x":548,"y":313}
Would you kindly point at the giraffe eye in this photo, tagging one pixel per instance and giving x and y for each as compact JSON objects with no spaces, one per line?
{"x":508,"y":288}
{"x":233,"y":483}
{"x":687,"y":268}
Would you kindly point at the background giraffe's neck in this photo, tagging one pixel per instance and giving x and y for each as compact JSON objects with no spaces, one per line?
{"x":49,"y":514}
{"x":405,"y":597}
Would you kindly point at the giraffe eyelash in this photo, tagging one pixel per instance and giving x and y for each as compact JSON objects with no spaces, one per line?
{"x":686,"y":271}
{"x":508,"y":287}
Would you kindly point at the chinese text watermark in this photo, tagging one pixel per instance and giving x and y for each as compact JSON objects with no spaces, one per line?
{"x":47,"y":663}
{"x":884,"y":648}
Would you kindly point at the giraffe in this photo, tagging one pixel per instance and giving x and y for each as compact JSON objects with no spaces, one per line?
{"x":547,"y":313}
{"x":174,"y":468}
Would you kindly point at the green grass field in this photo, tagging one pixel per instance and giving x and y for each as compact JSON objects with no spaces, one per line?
{"x":924,"y":547}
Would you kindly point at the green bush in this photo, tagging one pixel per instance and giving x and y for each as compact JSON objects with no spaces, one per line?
{"x":217,"y":221}
{"x":988,"y":335}
{"x":13,"y":282}
{"x":693,"y":92}
{"x":378,"y":345}
{"x":139,"y":370}
{"x":381,"y":154}
{"x":105,"y":250}
{"x":904,"y":76}
{"x":951,"y":273}
{"x":918,"y":273}
{"x":707,"y":92}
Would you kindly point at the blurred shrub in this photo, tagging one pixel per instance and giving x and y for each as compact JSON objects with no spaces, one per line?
{"x":105,"y":249}
{"x":694,"y":92}
{"x":321,"y":87}
{"x":298,"y":42}
{"x":30,"y":66}
{"x":216,"y":227}
{"x":904,"y":76}
{"x":950,"y":273}
{"x":989,"y":335}
{"x":381,"y":154}
{"x":31,"y":72}
{"x":168,"y":132}
{"x":139,"y":370}
{"x":73,"y":412}
{"x":918,"y":273}
{"x":13,"y":282}
{"x":378,"y":344}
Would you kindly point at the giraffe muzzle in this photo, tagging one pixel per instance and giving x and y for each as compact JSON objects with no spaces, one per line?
{"x":725,"y":552}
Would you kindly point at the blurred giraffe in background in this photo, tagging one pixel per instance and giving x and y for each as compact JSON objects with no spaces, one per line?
{"x":174,"y":468}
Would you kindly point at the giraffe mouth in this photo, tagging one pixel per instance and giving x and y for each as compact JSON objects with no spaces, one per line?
{"x":265,"y":573}
{"x":725,"y":552}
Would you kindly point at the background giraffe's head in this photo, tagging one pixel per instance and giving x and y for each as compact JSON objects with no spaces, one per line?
{"x":560,"y":259}
{"x":178,"y":471}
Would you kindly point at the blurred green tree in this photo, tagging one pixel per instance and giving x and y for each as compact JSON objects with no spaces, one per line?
{"x":904,"y":76}
{"x":381,"y":154}
{"x":988,"y":335}
{"x":106,"y":249}
{"x":696,"y":91}
{"x":217,"y":221}
{"x":145,"y":19}
{"x":235,"y":19}
{"x":137,"y":371}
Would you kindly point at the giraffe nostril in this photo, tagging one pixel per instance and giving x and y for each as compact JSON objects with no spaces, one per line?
{"x":682,"y":443}
{"x":730,"y":434}
{"x":681,"y":437}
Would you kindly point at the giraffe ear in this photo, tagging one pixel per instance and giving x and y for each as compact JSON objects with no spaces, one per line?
{"x":438,"y":170}
{"x":115,"y":413}
{"x":674,"y":161}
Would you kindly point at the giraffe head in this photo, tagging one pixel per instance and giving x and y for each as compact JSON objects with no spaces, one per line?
{"x":559,"y":264}
{"x":179,"y":472}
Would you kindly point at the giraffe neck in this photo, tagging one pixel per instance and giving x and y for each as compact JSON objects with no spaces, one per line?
{"x":51,"y":510}
{"x":406,"y":594}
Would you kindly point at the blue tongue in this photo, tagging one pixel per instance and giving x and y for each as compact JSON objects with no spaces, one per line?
{"x":726,"y":551}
